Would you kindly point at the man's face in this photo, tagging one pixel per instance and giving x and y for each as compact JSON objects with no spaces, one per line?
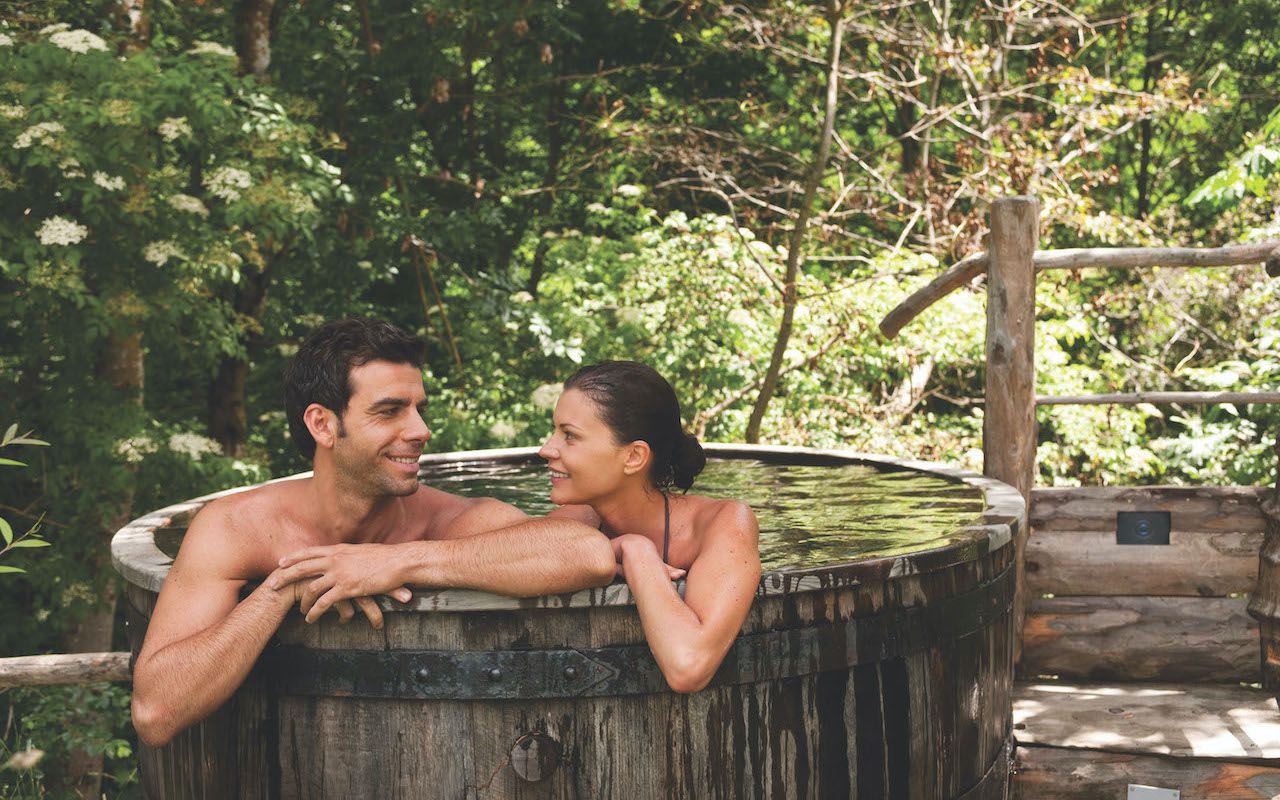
{"x":381,"y":433}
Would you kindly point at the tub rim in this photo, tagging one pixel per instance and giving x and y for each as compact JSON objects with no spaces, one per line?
{"x":138,"y":559}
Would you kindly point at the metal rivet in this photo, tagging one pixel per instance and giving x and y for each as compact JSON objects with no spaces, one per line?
{"x":423,"y":675}
{"x":495,"y":674}
{"x":571,"y":672}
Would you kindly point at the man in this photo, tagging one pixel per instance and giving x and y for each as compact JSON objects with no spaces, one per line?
{"x":360,"y":525}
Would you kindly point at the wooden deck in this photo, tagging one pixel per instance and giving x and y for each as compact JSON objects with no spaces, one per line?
{"x":1085,"y":741}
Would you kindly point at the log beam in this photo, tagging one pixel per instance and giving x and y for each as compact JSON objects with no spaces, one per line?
{"x":970,"y":267}
{"x":63,"y":669}
{"x":1158,"y":398}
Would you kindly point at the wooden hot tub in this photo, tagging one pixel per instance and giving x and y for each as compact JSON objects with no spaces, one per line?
{"x":887,"y":675}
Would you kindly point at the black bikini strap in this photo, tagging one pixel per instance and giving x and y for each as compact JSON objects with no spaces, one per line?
{"x":666,"y":527}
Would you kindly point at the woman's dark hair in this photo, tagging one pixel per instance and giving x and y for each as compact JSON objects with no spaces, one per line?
{"x":320,"y":372}
{"x":639,"y":405}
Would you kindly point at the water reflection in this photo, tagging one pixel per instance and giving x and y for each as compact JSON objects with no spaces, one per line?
{"x":809,"y":515}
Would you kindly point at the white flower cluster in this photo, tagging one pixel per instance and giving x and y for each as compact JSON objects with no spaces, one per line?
{"x":60,"y":230}
{"x":78,"y":41}
{"x":546,"y":395}
{"x":629,"y":190}
{"x":502,"y":431}
{"x":174,"y":128}
{"x":133,"y":450}
{"x":226,"y":182}
{"x":193,"y":445}
{"x":188,"y":204}
{"x":70,"y":168}
{"x":212,"y":48}
{"x":12,"y":111}
{"x":57,"y":27}
{"x":37,"y":133}
{"x":112,"y":183}
{"x":6,"y":40}
{"x":160,"y":252}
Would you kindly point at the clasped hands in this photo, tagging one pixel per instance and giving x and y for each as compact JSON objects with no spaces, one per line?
{"x":632,"y":547}
{"x":343,"y":577}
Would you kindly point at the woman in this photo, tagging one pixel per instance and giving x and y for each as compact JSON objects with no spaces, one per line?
{"x":615,"y":453}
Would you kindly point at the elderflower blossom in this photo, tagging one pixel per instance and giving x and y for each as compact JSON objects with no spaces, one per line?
{"x":60,"y":230}
{"x":502,"y":431}
{"x":12,"y":111}
{"x":160,"y":252}
{"x":226,"y":182}
{"x":78,"y":41}
{"x":133,"y":450}
{"x":193,"y":445}
{"x":112,"y":183}
{"x":6,"y":40}
{"x":57,"y":27}
{"x":188,"y":204}
{"x":546,"y":395}
{"x":212,"y":48}
{"x":70,"y":168}
{"x":629,"y":190}
{"x":174,"y":128}
{"x":40,"y":132}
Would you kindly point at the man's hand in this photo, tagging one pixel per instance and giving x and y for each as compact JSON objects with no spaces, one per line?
{"x":340,"y":574}
{"x":640,"y":547}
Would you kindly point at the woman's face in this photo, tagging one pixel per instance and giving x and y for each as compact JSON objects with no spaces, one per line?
{"x":585,"y":461}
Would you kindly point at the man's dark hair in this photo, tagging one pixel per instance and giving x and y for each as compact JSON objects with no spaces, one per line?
{"x":320,"y":372}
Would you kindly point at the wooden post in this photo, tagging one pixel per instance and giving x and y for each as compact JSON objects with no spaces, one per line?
{"x":1264,"y":603}
{"x":1009,"y":424}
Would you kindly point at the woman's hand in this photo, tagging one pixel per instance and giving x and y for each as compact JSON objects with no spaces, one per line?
{"x":635,"y":546}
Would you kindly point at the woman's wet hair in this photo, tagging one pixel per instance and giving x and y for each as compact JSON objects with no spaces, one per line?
{"x":639,"y":405}
{"x":320,"y":371}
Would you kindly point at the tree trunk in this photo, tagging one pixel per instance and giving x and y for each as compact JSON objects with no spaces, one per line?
{"x":121,"y":365}
{"x":132,"y":18}
{"x":770,"y":385}
{"x":228,"y":403}
{"x":555,"y":150}
{"x":253,"y":36}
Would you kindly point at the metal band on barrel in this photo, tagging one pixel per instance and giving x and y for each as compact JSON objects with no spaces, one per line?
{"x":630,"y":669}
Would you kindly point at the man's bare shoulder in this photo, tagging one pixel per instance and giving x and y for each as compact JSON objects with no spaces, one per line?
{"x":243,"y":534}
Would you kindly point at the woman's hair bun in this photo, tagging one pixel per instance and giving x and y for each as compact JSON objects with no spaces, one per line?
{"x":687,"y":461}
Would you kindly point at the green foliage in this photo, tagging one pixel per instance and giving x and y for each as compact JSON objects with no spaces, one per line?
{"x":61,"y":720}
{"x":30,"y":538}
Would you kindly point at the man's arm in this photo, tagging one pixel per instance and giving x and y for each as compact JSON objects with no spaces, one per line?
{"x":200,"y":642}
{"x":489,"y":545}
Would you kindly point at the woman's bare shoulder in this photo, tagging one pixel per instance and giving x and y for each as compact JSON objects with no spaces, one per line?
{"x":726,"y":517}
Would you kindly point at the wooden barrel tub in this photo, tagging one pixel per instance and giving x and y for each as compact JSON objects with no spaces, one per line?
{"x":882,"y":677}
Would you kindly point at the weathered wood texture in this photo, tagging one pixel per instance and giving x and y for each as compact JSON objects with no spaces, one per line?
{"x":931,"y":724}
{"x":1048,"y":773}
{"x":1212,"y":552}
{"x":1199,"y":563}
{"x":1208,"y":722}
{"x":1264,"y":604}
{"x":1141,"y":638}
{"x":1193,"y":508}
{"x":1009,"y":423}
{"x":63,"y":669}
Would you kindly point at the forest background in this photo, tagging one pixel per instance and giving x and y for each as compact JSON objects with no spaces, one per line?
{"x":734,"y":193}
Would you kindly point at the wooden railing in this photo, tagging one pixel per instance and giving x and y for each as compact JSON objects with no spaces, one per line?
{"x":1011,"y":264}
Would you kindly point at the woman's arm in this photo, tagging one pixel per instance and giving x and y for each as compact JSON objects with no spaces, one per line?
{"x":689,"y":637}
